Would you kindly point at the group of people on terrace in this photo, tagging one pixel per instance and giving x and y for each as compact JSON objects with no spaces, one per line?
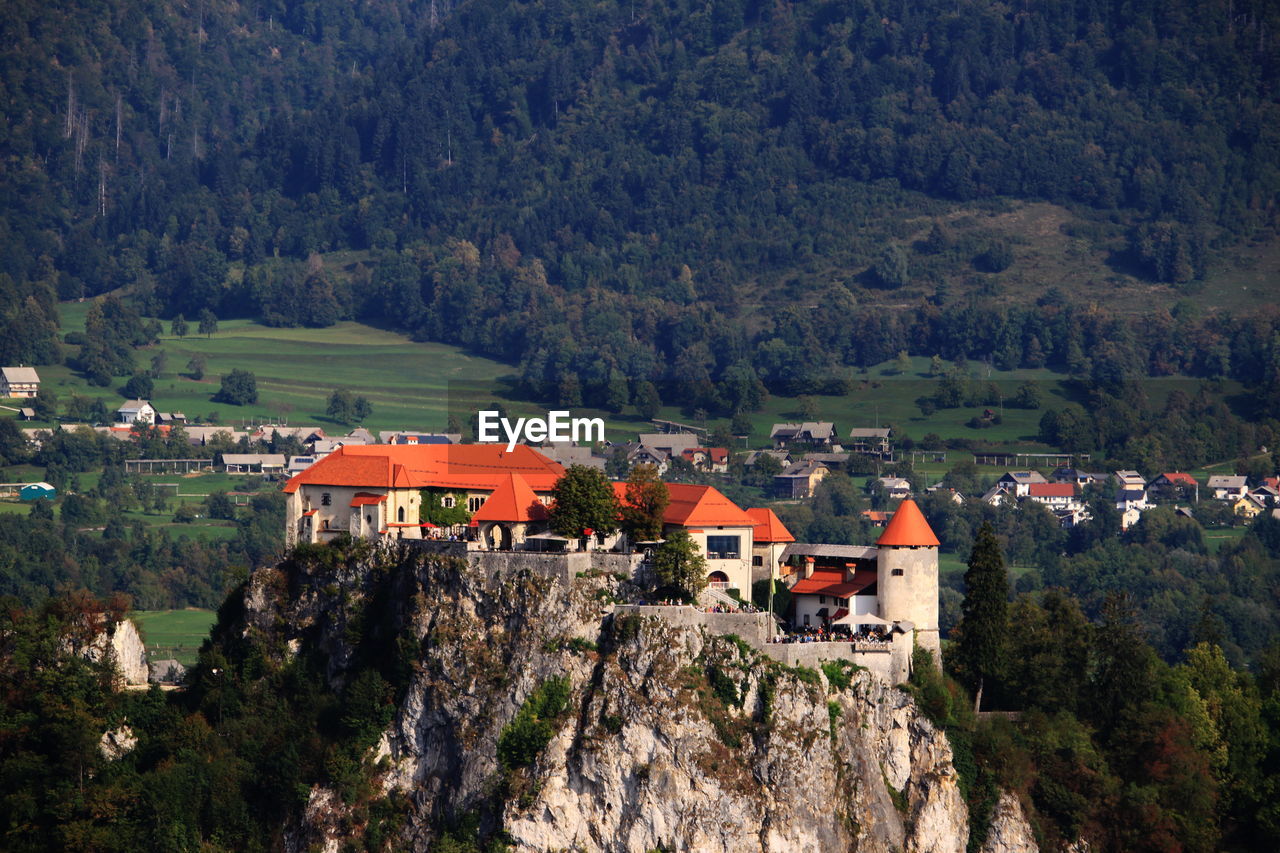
{"x":837,"y":634}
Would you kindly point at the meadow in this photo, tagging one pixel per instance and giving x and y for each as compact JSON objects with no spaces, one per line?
{"x":416,"y":385}
{"x":175,"y":634}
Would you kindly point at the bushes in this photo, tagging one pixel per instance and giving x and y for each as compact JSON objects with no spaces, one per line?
{"x":523,"y":739}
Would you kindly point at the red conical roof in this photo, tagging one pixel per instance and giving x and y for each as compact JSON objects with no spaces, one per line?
{"x":908,"y":528}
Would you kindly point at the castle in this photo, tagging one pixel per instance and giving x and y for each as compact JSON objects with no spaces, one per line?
{"x":494,"y":504}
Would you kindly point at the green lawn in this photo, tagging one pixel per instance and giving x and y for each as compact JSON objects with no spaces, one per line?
{"x":174,"y":634}
{"x":407,"y":382}
{"x":1216,"y":537}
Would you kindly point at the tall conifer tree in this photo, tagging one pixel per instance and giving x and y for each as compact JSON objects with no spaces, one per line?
{"x":984,"y":616}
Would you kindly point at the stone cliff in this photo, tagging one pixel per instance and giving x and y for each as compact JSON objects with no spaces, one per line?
{"x":670,"y":739}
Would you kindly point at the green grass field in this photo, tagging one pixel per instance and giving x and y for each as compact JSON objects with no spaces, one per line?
{"x":409,"y":384}
{"x":296,"y":369}
{"x":1216,"y":537}
{"x":174,"y":634}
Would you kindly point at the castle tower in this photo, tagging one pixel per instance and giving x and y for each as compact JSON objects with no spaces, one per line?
{"x":907,"y":574}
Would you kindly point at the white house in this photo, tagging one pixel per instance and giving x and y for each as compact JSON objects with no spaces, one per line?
{"x":1056,"y":496}
{"x":19,"y":382}
{"x":1226,"y":488}
{"x":1018,"y":483}
{"x":134,"y":411}
{"x":897,"y":488}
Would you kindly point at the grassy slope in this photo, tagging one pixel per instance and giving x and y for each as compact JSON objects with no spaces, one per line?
{"x":174,"y":634}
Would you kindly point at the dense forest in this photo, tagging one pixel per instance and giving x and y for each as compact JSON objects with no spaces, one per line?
{"x":608,"y":193}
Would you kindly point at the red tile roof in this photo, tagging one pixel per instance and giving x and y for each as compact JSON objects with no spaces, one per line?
{"x":908,"y":528}
{"x":481,"y":467}
{"x":1052,"y":490}
{"x":512,"y":500}
{"x":697,"y":506}
{"x":365,"y":498}
{"x":1181,"y":478}
{"x":832,"y":582}
{"x":769,"y":528}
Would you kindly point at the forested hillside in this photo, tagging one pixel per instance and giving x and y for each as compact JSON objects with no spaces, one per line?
{"x":614,"y":193}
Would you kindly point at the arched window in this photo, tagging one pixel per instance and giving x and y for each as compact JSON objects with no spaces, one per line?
{"x":400,"y":515}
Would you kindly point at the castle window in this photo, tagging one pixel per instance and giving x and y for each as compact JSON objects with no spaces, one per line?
{"x":473,"y":504}
{"x":326,"y":499}
{"x":448,"y":501}
{"x":368,"y":519}
{"x":400,"y":515}
{"x":757,"y":560}
{"x":822,"y":599}
{"x":725,"y":546}
{"x":897,"y":573}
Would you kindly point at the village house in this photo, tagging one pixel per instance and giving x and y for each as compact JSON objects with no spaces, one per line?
{"x":1056,"y":496}
{"x":19,"y":382}
{"x":1173,"y":486}
{"x":895,"y":488}
{"x":1228,"y":488}
{"x":833,"y":460}
{"x":800,"y":479}
{"x":572,"y":454}
{"x":714,"y":460}
{"x":405,"y":437}
{"x":750,"y":458}
{"x":1018,"y":483}
{"x":1077,"y":476}
{"x":639,"y":454}
{"x":870,"y":441}
{"x":876,"y":517}
{"x":1267,"y":496}
{"x":671,"y":443}
{"x":813,"y":433}
{"x":136,"y":411}
{"x":1248,"y":507}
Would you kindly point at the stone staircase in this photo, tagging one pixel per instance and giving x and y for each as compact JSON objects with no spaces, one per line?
{"x":712,"y":596}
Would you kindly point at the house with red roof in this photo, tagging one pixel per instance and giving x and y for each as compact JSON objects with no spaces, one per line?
{"x":1056,"y":496}
{"x":725,"y":534}
{"x":378,"y":489}
{"x":713,"y":459}
{"x":1174,"y":486}
{"x":770,"y":538}
{"x":894,"y":583}
{"x":512,"y":512}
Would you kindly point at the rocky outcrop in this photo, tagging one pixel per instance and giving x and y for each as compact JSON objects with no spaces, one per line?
{"x":117,"y":742}
{"x":672,"y":739}
{"x":122,"y":644}
{"x":1009,"y":831}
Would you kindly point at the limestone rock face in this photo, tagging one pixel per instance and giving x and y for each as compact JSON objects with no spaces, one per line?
{"x":129,"y":652}
{"x":1009,"y":832}
{"x":121,"y":643}
{"x":672,"y":739}
{"x":117,"y":742}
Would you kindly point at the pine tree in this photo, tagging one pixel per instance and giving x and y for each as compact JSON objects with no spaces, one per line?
{"x":984,"y":616}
